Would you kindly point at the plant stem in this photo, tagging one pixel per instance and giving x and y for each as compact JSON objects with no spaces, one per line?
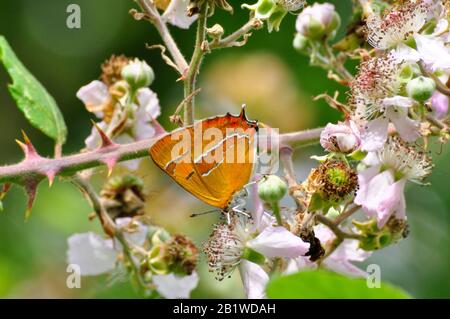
{"x":232,"y":39}
{"x":149,"y":8}
{"x":194,"y":65}
{"x":276,"y":212}
{"x":346,"y":214}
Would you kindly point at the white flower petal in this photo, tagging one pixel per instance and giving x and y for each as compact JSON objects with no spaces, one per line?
{"x":391,"y":201}
{"x":375,"y":135}
{"x":398,"y":101}
{"x":374,"y":191}
{"x":176,"y":14}
{"x":433,"y":52}
{"x":136,"y":237}
{"x":94,"y":93}
{"x":175,"y":287}
{"x":93,"y":254}
{"x":407,"y":128}
{"x":254,"y":279}
{"x":404,"y":53}
{"x":149,"y":103}
{"x":278,"y":242}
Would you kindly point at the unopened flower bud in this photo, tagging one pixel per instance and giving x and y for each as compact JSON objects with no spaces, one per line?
{"x":272,"y":189}
{"x":421,"y":88}
{"x":300,"y":43}
{"x":138,"y":74}
{"x":318,"y":20}
{"x":341,"y":138}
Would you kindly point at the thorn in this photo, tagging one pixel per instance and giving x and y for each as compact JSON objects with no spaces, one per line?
{"x":110,"y":163}
{"x":28,"y":148}
{"x":106,"y":141}
{"x":31,"y":189}
{"x":51,"y":177}
{"x":6,"y":188}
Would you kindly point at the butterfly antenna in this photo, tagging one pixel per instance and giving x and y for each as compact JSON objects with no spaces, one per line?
{"x":205,"y":213}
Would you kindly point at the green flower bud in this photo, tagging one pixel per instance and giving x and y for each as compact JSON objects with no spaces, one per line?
{"x":421,"y":88}
{"x":300,"y":43}
{"x":138,"y":74}
{"x":272,"y":189}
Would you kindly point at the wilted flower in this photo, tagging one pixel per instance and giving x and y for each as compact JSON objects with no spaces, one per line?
{"x":375,"y":238}
{"x":340,"y":260}
{"x":342,"y":138}
{"x":273,"y":11}
{"x":398,"y":24}
{"x":318,"y":20}
{"x":374,"y":99}
{"x":381,"y":186}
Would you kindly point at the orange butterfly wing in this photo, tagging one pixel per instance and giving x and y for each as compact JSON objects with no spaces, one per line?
{"x":219,"y":168}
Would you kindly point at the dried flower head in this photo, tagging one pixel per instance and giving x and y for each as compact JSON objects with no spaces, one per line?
{"x":398,"y":24}
{"x":123,"y":196}
{"x":333,"y":180}
{"x":112,"y":69}
{"x":182,"y":254}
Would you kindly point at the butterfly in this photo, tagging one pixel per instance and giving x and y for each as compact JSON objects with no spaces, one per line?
{"x":212,"y":159}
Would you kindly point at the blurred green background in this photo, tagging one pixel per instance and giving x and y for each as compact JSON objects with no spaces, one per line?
{"x":267,"y":74}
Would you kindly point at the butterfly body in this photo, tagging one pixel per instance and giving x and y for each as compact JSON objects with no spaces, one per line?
{"x":212,"y":159}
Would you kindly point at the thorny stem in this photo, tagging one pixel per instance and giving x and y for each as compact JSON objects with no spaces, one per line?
{"x":150,"y":10}
{"x":194,"y":65}
{"x":71,"y":164}
{"x":337,"y":65}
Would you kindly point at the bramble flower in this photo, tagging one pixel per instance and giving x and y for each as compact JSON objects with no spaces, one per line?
{"x":399,"y":24}
{"x":96,"y":255}
{"x":106,"y":103}
{"x":318,"y":20}
{"x":381,"y":185}
{"x":376,"y":103}
{"x":341,"y":138}
{"x":176,"y":13}
{"x":241,"y":244}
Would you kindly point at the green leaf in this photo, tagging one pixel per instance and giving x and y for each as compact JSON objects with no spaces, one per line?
{"x":31,"y":97}
{"x":325,"y":284}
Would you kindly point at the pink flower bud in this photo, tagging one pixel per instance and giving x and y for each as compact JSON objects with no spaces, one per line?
{"x":343,"y":137}
{"x":439,"y":104}
{"x":318,"y":20}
